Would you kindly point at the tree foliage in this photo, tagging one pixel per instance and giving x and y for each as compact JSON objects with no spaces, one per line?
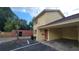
{"x":23,"y":24}
{"x":31,"y":25}
{"x":9,"y":21}
{"x":5,"y":14}
{"x":11,"y":25}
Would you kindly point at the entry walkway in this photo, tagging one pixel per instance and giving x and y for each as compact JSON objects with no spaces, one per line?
{"x":63,"y":45}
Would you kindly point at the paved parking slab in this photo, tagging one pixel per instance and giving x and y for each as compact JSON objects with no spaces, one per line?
{"x":24,"y":45}
{"x":63,"y":44}
{"x":6,"y":46}
{"x":37,"y":47}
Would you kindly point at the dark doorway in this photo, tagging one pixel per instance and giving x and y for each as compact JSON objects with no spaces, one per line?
{"x":46,"y":35}
{"x":20,"y":33}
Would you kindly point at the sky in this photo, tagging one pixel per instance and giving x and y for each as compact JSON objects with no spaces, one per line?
{"x":68,"y":7}
{"x":26,"y":13}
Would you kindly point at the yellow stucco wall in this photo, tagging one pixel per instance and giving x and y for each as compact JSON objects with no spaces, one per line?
{"x":48,"y":17}
{"x":57,"y":33}
{"x":66,"y":32}
{"x":34,"y":29}
{"x":70,"y":33}
{"x":39,"y":36}
{"x":44,"y":19}
{"x":54,"y":34}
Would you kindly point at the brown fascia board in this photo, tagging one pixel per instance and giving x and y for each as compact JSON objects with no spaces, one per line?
{"x":48,"y":10}
{"x":63,"y":19}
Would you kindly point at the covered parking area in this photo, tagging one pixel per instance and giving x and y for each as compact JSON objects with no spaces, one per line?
{"x":66,"y":31}
{"x":68,"y":36}
{"x":63,"y":33}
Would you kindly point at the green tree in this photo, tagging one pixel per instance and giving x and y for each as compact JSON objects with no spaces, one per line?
{"x":9,"y":21}
{"x":24,"y":25}
{"x":5,"y":13}
{"x":31,"y":25}
{"x":11,"y":25}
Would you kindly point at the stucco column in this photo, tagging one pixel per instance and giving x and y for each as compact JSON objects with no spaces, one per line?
{"x":48,"y":35}
{"x":39,"y":36}
{"x":78,"y":33}
{"x":51,"y":34}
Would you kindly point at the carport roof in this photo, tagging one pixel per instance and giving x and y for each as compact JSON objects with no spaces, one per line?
{"x":63,"y":19}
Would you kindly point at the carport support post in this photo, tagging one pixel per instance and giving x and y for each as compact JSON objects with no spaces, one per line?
{"x":78,"y":33}
{"x":48,"y":35}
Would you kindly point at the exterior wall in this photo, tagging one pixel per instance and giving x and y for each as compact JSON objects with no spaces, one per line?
{"x":57,"y":33}
{"x":52,"y":16}
{"x":38,"y":35}
{"x":7,"y":34}
{"x":44,"y":19}
{"x":13,"y":33}
{"x":70,"y":33}
{"x":66,"y":32}
{"x":26,"y":32}
{"x":48,"y":17}
{"x":54,"y":34}
{"x":35,"y":29}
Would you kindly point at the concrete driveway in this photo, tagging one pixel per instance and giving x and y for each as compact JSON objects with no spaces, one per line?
{"x":24,"y":45}
{"x":63,"y":44}
{"x":6,"y":46}
{"x":37,"y":47}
